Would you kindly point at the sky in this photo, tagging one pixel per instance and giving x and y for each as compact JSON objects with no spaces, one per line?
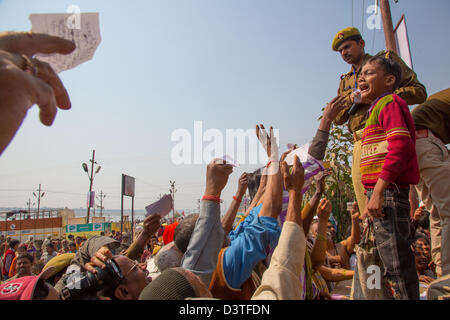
{"x":163,"y":64}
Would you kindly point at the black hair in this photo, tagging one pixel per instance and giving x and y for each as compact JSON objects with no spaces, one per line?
{"x":26,"y":256}
{"x":183,"y":232}
{"x":13,"y":243}
{"x":424,"y":221}
{"x":390,"y":67}
{"x":50,"y":245}
{"x":254,"y":179}
{"x":420,"y":237}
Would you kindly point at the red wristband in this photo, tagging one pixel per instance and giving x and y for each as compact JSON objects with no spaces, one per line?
{"x":212,"y":198}
{"x":237,"y":199}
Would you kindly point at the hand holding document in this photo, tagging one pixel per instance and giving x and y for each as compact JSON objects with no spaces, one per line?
{"x":81,"y":28}
{"x":161,"y":207}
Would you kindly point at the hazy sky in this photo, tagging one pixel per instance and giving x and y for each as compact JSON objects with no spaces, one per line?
{"x":164,"y":64}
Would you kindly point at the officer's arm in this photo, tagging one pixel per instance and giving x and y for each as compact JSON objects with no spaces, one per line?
{"x":343,"y":116}
{"x":410,"y":89}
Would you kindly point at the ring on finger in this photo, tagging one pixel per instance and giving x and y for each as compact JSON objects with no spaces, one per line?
{"x":29,"y":66}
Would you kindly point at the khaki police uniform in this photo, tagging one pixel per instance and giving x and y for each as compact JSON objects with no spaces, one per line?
{"x":410,"y":90}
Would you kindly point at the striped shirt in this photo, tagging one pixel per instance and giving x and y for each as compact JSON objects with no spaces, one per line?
{"x":388,"y":144}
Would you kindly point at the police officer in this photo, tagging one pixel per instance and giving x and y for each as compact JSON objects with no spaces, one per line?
{"x":350,"y":44}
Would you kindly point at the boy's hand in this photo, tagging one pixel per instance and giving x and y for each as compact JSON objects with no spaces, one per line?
{"x":375,"y":205}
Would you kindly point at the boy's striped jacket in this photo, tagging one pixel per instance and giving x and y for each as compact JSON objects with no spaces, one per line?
{"x":389,"y":144}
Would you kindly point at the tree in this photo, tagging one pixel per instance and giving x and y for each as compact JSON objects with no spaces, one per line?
{"x":339,"y":185}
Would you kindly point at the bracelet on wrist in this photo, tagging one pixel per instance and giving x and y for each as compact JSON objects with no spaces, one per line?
{"x":212,"y":198}
{"x":237,"y":199}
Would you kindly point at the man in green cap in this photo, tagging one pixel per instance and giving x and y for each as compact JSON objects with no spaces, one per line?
{"x":350,"y":44}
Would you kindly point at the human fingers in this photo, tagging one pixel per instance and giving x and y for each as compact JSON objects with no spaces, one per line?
{"x":225,"y":168}
{"x":284,"y":155}
{"x":285,"y":174}
{"x":333,"y":100}
{"x":298,"y":168}
{"x":45,"y":99}
{"x":338,"y":102}
{"x":48,"y":75}
{"x":243,"y":177}
{"x":29,"y":43}
{"x":273,"y":141}
{"x":90,"y":267}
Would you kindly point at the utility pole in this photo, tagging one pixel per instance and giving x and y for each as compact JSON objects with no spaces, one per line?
{"x":198,"y":205}
{"x":39,"y":196}
{"x":102,"y":196}
{"x":172,"y":191}
{"x":91,"y":180}
{"x":388,"y":29}
{"x":29,"y":204}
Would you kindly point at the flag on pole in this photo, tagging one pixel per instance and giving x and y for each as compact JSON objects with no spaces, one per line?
{"x":401,"y":37}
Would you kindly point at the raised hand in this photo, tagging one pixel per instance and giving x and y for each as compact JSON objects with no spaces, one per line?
{"x":293,"y":181}
{"x":333,"y":108}
{"x":98,"y":260}
{"x":151,"y":224}
{"x":217,"y":174}
{"x":324,"y":209}
{"x":242,"y":185}
{"x":25,"y":81}
{"x":268,"y":141}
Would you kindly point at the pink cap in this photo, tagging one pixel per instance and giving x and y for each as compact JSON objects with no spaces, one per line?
{"x":22,"y":288}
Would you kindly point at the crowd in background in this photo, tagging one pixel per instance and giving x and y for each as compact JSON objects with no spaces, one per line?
{"x":285,"y":245}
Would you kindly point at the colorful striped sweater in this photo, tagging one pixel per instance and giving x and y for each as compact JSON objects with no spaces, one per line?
{"x":388,"y":144}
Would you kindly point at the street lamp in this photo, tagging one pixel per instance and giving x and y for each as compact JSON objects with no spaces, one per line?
{"x":91,"y":179}
{"x":39,"y":196}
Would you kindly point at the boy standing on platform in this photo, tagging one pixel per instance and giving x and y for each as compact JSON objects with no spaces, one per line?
{"x":388,"y":166}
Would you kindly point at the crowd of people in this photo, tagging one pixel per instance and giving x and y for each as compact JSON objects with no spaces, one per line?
{"x":397,"y":248}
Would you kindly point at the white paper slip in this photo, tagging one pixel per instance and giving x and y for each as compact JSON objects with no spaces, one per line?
{"x":226,"y":159}
{"x":301,"y":152}
{"x":161,"y":207}
{"x":85,"y":33}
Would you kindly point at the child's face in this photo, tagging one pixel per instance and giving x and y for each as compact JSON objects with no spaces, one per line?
{"x":373,"y":82}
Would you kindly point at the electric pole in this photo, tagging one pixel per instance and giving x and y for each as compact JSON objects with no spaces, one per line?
{"x":388,"y":29}
{"x":102,"y":196}
{"x":29,"y":204}
{"x":39,"y":196}
{"x":172,"y":191}
{"x":91,"y":180}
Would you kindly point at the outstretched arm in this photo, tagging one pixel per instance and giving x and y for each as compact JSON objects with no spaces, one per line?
{"x":281,"y":279}
{"x":228,"y":219}
{"x":319,"y":251}
{"x":207,"y":238}
{"x":355,"y":237}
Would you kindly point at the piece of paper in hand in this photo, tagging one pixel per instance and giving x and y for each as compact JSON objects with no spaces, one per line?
{"x":81,"y":28}
{"x":161,"y":207}
{"x":226,"y":159}
{"x":301,"y":152}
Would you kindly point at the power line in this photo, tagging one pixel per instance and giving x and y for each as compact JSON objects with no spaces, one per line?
{"x":352,"y":13}
{"x":373,"y":39}
{"x":362,"y":18}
